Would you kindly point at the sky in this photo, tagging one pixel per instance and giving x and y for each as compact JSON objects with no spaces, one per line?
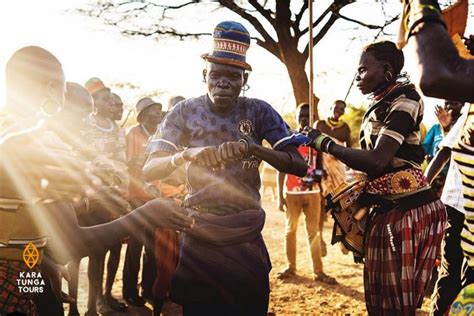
{"x":87,"y":47}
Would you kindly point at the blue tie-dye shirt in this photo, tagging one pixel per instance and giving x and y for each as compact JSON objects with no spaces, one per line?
{"x":192,"y":123}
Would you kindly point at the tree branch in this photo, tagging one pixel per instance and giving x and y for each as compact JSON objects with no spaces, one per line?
{"x":270,"y":48}
{"x":267,"y":14}
{"x":318,"y":20}
{"x":332,"y":19}
{"x":170,"y":32}
{"x":231,"y":5}
{"x":299,"y":16}
{"x":153,"y":4}
{"x":369,"y":26}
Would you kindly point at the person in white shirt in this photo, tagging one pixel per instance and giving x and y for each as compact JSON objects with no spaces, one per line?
{"x":449,"y":281}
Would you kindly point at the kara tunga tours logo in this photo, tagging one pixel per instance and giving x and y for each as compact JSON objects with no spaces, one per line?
{"x":30,"y":281}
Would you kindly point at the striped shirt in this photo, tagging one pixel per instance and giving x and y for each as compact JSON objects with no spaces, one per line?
{"x":397,"y":115}
{"x":463,"y":154}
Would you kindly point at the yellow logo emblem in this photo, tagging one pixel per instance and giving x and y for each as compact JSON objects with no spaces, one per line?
{"x":30,"y":255}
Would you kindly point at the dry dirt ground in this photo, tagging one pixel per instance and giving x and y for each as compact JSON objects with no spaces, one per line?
{"x":294,"y":296}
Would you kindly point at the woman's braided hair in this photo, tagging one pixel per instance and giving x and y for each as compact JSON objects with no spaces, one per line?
{"x":388,"y":52}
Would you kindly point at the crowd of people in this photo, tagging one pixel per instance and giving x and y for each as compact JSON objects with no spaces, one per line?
{"x":182,"y":187}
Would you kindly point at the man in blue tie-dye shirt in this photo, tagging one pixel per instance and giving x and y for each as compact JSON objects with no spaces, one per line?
{"x":224,"y":265}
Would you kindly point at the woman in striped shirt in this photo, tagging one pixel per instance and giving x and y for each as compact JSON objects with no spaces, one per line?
{"x":406,"y":220}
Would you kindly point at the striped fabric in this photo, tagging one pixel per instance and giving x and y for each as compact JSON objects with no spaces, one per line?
{"x":401,"y":249}
{"x":400,"y":244}
{"x":463,"y":154}
{"x":397,"y":115}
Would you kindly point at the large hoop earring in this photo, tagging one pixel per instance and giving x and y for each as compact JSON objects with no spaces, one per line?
{"x":246,"y":87}
{"x":50,"y":106}
{"x":388,"y":75}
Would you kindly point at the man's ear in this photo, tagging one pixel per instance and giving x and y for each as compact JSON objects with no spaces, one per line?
{"x":246,"y":78}
{"x":204,"y":74}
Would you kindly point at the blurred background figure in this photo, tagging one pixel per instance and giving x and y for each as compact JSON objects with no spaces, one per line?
{"x":174,"y":100}
{"x":335,"y":174}
{"x":116,"y":105}
{"x":298,"y":195}
{"x":149,"y":116}
{"x":447,"y":116}
{"x":108,"y":141}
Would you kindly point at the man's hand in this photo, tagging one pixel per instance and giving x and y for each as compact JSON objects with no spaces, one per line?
{"x":205,"y":156}
{"x":282,"y":204}
{"x":165,"y":213}
{"x":232,"y":151}
{"x":445,"y":118}
{"x":311,"y":132}
{"x":319,"y":141}
{"x":56,"y":273}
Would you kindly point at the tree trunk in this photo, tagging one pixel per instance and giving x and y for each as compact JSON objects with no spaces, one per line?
{"x":300,"y":82}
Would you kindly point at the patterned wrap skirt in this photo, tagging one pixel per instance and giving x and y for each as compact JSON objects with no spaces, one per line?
{"x":223,"y":260}
{"x":400,"y":251}
{"x":11,"y":300}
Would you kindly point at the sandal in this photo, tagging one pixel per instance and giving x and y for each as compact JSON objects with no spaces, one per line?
{"x":322,"y":277}
{"x":288,"y":272}
{"x":115,"y":304}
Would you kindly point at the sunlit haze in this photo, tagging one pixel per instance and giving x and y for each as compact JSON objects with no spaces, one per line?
{"x":87,"y":48}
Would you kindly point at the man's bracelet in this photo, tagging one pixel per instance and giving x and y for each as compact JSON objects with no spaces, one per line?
{"x":322,"y":142}
{"x":247,"y":142}
{"x":176,"y":156}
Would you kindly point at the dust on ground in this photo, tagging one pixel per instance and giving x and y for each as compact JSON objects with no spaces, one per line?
{"x":292,"y":296}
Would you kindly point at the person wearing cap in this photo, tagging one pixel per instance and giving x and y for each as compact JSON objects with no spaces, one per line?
{"x":149,"y":115}
{"x":108,"y":144}
{"x":223,"y":265}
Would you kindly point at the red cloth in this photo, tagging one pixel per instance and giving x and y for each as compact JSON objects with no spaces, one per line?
{"x":293,"y":183}
{"x":137,"y":140}
{"x":400,"y":253}
{"x":167,"y":255}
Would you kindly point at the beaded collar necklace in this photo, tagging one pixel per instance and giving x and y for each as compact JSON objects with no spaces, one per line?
{"x":108,"y":129}
{"x":334,"y":124}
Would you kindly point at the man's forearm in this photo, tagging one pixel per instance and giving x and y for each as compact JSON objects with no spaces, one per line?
{"x":287,"y":161}
{"x":133,"y":224}
{"x":437,"y":163}
{"x":444,"y":74}
{"x":158,"y":167}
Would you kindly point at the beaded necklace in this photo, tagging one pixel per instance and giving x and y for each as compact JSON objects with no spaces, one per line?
{"x":94,"y":122}
{"x":334,"y":124}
